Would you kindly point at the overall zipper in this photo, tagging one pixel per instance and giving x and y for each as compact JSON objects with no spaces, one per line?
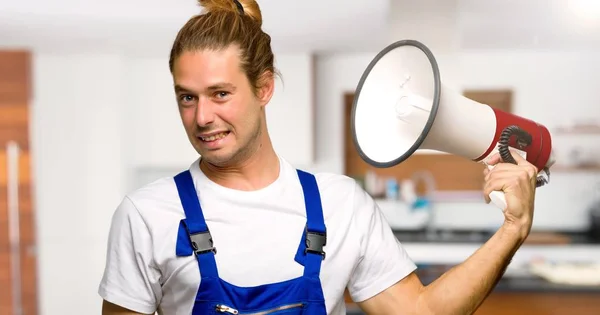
{"x":226,"y":309}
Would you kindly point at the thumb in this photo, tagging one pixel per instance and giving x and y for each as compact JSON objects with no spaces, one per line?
{"x":493,"y":159}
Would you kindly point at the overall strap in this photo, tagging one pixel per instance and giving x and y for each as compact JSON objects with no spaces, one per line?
{"x":197,"y":230}
{"x":316,"y":233}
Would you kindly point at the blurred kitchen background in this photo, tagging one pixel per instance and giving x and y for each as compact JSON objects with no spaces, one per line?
{"x":87,"y":114}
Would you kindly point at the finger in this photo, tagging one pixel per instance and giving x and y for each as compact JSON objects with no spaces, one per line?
{"x":522,"y":166}
{"x":495,"y":185}
{"x":532,"y":172}
{"x":486,"y":197}
{"x":489,"y":187}
{"x":509,"y":181}
{"x":502,"y":168}
{"x":518,"y":158}
{"x":494,"y":159}
{"x":506,"y":176}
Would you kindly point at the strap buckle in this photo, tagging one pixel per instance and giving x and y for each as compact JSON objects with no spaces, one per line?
{"x":202,"y":242}
{"x":315,"y":242}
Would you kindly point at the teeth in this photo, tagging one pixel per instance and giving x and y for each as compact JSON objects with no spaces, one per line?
{"x":214,"y":137}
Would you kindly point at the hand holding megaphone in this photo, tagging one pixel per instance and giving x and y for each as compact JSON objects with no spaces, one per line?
{"x":517,"y":177}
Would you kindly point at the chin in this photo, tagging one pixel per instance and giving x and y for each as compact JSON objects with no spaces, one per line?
{"x":217,"y":158}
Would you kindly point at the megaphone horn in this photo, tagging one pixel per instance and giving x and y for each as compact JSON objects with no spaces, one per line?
{"x":401,"y":106}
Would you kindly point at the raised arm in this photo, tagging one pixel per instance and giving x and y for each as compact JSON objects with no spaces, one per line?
{"x":463,"y":289}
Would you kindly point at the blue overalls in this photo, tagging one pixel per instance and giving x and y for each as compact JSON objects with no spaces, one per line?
{"x":302,"y":295}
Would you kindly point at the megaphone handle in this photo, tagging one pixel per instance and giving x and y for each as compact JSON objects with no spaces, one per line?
{"x":498,"y":198}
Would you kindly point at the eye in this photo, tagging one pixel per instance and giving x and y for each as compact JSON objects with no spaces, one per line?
{"x":221,"y":94}
{"x":186,"y":99}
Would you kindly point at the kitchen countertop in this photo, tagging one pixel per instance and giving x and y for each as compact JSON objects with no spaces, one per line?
{"x":458,"y":245}
{"x":521,"y":284}
{"x":480,"y":237}
{"x":511,"y":282}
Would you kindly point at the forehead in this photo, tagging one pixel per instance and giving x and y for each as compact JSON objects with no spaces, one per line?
{"x":206,"y":66}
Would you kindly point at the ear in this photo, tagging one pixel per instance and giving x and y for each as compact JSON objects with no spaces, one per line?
{"x":266,"y":88}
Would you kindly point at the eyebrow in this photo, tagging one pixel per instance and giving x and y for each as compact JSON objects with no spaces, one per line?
{"x":214,"y":87}
{"x":220,"y":86}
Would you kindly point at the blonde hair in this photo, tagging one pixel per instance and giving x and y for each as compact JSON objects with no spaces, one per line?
{"x":221,"y":25}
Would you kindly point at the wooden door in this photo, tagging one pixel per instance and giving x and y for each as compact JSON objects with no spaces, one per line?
{"x":18,"y":271}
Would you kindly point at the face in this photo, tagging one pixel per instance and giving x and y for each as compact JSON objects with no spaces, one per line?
{"x":222,"y":115}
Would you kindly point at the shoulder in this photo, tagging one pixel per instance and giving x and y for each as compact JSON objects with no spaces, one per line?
{"x":160,"y":190}
{"x":152,"y":204}
{"x":335,"y":183}
{"x":337,"y":189}
{"x":343,"y":187}
{"x":343,"y":198}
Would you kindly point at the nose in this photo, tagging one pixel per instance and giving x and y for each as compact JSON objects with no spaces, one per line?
{"x":205,"y":114}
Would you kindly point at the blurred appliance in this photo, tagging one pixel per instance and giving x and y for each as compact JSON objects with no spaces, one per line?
{"x":595,"y":221}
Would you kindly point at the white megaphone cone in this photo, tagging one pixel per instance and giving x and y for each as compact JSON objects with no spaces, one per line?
{"x":401,"y":106}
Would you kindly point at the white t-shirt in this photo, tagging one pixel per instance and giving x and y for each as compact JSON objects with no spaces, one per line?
{"x":256,"y":234}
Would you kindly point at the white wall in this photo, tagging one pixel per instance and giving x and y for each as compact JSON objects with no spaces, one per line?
{"x":290,"y":114}
{"x":78,"y":167}
{"x":551,"y":88}
{"x":155,"y":133}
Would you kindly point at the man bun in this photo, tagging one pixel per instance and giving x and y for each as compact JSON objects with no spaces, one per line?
{"x":250,"y":7}
{"x":222,"y":24}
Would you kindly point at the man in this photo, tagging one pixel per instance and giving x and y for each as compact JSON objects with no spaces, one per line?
{"x":243,"y":232}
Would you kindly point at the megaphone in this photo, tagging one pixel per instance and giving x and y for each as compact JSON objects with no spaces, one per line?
{"x":401,"y":106}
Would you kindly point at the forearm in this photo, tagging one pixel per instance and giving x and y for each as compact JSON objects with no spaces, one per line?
{"x":463,"y":288}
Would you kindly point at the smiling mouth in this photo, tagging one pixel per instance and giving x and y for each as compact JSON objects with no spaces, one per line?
{"x":214,"y":137}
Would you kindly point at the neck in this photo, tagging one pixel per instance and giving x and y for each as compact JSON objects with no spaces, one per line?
{"x":255,"y":171}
